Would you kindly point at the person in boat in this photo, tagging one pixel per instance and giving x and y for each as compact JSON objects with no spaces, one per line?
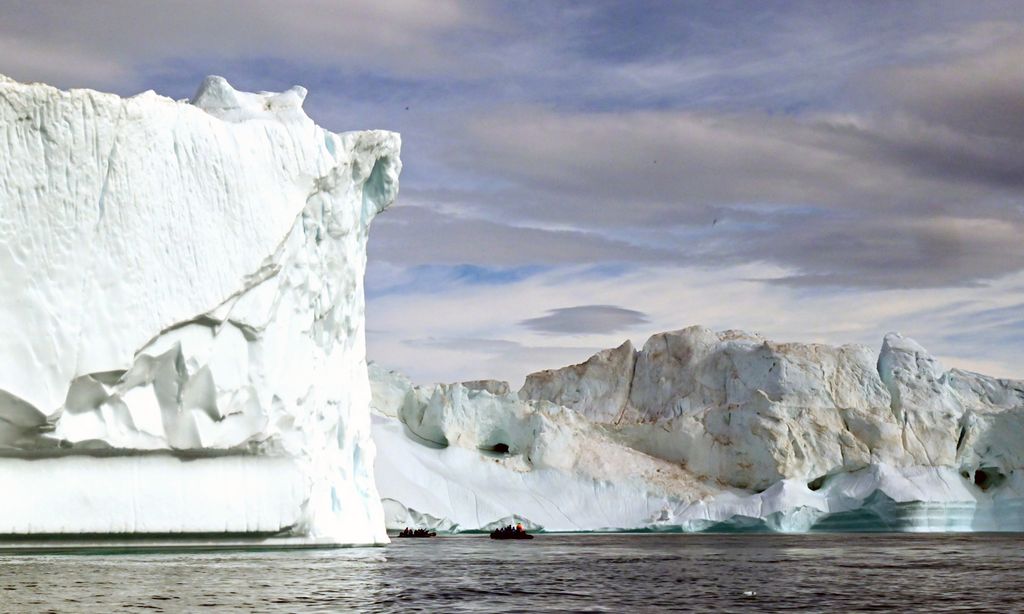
{"x":519,"y":528}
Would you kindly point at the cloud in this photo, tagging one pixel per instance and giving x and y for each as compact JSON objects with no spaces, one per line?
{"x":408,"y":37}
{"x":586,"y":319}
{"x":981,"y":92}
{"x":905,"y":252}
{"x":32,"y":60}
{"x":923,"y":188}
{"x":409,"y":234}
{"x":840,"y":200}
{"x":654,"y":167}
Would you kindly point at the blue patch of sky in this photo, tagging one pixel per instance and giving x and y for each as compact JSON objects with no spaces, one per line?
{"x":606,"y":270}
{"x":978,"y":343}
{"x":435,"y":278}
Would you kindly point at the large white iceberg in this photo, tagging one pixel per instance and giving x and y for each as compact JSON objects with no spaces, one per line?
{"x":182,"y":341}
{"x":703,"y":430}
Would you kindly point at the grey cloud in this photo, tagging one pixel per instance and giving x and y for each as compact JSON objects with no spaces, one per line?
{"x":924,"y":192}
{"x":882,"y":252}
{"x":586,"y":319}
{"x":414,"y":235}
{"x":645,"y":167}
{"x":107,"y":40}
{"x":26,"y":59}
{"x":982,"y":93}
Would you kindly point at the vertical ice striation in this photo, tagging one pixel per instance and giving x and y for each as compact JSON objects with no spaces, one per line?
{"x":181,"y":314}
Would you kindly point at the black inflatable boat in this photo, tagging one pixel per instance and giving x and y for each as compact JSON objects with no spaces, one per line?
{"x":510,"y":533}
{"x":417,"y":533}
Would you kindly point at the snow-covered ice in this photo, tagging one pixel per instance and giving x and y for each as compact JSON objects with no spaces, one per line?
{"x":710,"y":430}
{"x":182,"y":316}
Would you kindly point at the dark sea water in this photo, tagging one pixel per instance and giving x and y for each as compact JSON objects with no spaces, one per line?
{"x":600,"y":573}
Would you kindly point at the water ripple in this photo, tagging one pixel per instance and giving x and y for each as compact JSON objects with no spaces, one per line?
{"x":599,"y":573}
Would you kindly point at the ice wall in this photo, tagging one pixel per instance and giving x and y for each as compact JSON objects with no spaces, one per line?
{"x":711,"y":430}
{"x":182,"y":280}
{"x":749,"y":412}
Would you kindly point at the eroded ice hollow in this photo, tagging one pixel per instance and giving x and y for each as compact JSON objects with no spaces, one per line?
{"x":182,"y":341}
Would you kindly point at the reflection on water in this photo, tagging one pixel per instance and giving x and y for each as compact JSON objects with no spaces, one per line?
{"x":613,"y":573}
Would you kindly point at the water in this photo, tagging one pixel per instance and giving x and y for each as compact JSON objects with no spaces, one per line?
{"x":601,"y":573}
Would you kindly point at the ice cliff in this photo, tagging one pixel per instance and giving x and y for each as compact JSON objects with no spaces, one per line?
{"x":181,"y":315}
{"x":710,"y":430}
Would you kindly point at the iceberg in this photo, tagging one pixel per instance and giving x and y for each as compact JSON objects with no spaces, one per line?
{"x":703,"y":430}
{"x":182,"y":348}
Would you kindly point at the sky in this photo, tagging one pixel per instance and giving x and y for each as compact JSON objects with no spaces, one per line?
{"x":580,"y":173}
